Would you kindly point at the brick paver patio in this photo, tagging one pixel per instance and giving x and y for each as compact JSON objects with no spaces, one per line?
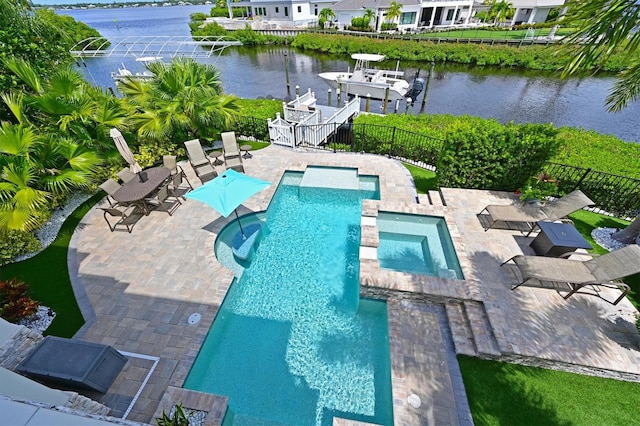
{"x":138,"y":290}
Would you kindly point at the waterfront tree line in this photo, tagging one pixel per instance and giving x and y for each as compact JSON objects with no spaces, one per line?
{"x":54,"y":132}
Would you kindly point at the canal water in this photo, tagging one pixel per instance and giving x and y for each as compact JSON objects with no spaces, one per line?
{"x":506,"y":95}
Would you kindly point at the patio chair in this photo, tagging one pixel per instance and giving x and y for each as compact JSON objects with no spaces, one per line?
{"x":176,"y":185}
{"x":110,"y":186}
{"x":530,"y":215}
{"x":199,"y":161}
{"x":230,"y":145}
{"x":234,"y":163}
{"x":162,"y":200}
{"x":169,"y":161}
{"x":125,"y":175}
{"x":124,"y":216}
{"x":601,"y":271}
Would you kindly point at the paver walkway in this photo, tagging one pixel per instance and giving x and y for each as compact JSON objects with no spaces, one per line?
{"x":142,"y":287}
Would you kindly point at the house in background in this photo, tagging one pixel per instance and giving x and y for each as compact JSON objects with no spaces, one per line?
{"x":283,"y":13}
{"x":415,"y":14}
{"x":532,"y":11}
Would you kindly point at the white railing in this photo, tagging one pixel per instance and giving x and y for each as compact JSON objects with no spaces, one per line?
{"x":303,"y":126}
{"x":281,"y":132}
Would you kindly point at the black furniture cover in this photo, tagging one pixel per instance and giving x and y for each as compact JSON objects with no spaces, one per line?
{"x":74,"y":363}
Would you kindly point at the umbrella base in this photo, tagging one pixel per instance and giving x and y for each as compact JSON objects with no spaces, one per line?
{"x":242,"y":246}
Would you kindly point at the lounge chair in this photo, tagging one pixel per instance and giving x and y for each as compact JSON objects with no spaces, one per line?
{"x":600,"y":271}
{"x":230,"y":145}
{"x":110,"y":186}
{"x":200,"y":161}
{"x":125,"y":216}
{"x":530,"y":215}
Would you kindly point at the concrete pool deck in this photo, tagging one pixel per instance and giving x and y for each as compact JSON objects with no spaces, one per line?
{"x":138,"y":290}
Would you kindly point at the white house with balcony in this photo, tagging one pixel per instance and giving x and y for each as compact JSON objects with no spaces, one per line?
{"x":284,"y":13}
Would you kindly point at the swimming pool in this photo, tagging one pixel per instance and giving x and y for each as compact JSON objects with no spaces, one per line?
{"x":292,"y":342}
{"x":418,"y":244}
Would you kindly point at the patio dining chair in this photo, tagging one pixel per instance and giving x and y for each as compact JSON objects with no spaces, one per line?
{"x":530,"y":215}
{"x":176,"y":185}
{"x":110,"y":186}
{"x":121,"y":216}
{"x":177,"y":175}
{"x":200,"y":161}
{"x":601,"y":271}
{"x":125,"y":175}
{"x":164,"y":200}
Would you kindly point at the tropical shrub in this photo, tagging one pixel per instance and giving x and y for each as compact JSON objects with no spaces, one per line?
{"x":493,"y":156}
{"x":16,"y":243}
{"x":15,"y":303}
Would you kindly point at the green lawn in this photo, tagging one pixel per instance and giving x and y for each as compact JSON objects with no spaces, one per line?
{"x":511,"y":394}
{"x":425,"y":180}
{"x":48,"y":277}
{"x":494,"y":34}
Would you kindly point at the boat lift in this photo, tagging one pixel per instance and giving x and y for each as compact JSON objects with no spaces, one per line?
{"x":153,"y":46}
{"x":307,"y":123}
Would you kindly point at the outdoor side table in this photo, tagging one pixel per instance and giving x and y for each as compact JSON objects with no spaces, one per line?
{"x":246,"y":149}
{"x":216,"y":157}
{"x":556,"y":239}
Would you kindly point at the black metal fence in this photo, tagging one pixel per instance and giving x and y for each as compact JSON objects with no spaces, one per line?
{"x":616,"y":194}
{"x":619,"y":195}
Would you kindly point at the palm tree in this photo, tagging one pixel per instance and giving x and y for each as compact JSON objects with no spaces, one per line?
{"x":394,"y":11}
{"x":499,"y":11}
{"x":42,"y":155}
{"x":183,"y":101}
{"x":595,"y":40}
{"x":325,"y":15}
{"x":369,"y":14}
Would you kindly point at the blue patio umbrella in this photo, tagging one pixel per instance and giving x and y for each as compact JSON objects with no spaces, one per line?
{"x":227,"y":191}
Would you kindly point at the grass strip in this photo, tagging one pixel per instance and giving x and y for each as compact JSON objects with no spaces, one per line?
{"x":512,"y":394}
{"x":48,"y":276}
{"x":425,"y":180}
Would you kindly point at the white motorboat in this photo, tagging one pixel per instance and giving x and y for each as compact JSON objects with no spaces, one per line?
{"x":124,"y":72}
{"x":366,"y":81}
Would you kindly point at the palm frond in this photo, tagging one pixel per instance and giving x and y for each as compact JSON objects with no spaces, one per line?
{"x":15,"y":102}
{"x":626,"y":88}
{"x":25,"y":72}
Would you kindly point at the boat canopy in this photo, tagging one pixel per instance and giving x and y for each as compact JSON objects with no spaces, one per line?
{"x":367,"y":57}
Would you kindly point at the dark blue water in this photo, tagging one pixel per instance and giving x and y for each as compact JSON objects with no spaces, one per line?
{"x":260,"y":72}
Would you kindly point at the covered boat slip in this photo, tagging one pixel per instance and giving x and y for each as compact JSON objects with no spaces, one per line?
{"x":306,"y":122}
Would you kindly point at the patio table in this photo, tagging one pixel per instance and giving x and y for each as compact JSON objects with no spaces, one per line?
{"x":137,"y":189}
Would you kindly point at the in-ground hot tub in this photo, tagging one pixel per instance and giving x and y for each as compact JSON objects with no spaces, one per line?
{"x":418,"y":244}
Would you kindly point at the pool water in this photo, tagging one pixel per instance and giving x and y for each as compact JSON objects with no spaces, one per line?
{"x":418,"y":244}
{"x":293,"y":343}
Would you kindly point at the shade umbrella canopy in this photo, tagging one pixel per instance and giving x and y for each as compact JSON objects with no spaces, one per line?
{"x":227,"y":191}
{"x":124,"y":150}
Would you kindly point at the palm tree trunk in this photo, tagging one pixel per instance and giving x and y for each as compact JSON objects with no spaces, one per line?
{"x":630,"y":234}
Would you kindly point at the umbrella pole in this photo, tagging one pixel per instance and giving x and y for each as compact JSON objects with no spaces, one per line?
{"x":244,"y":237}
